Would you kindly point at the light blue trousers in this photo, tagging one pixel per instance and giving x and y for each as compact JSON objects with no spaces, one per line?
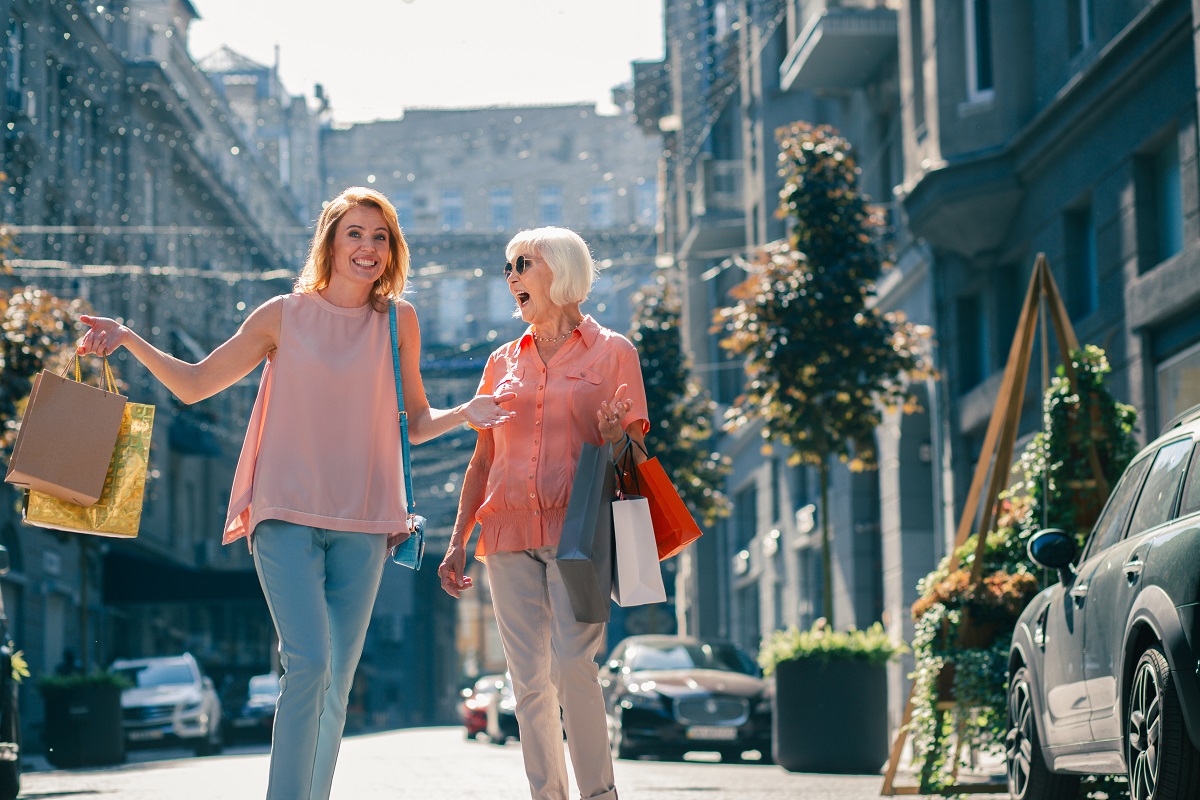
{"x":320,"y":587}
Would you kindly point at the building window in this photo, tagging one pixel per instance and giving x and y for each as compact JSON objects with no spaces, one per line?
{"x":1167,"y":200}
{"x":550,"y":205}
{"x":745,"y":517}
{"x":452,"y":210}
{"x":916,"y":21}
{"x":403,"y":201}
{"x":1079,"y":25}
{"x":1178,"y":384}
{"x":12,"y":54}
{"x":502,"y":206}
{"x":972,"y":343}
{"x":600,"y":204}
{"x":980,"y":80}
{"x":1083,"y":285}
{"x":647,"y":203}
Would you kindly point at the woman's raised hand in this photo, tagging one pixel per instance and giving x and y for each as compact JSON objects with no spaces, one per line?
{"x":104,"y":336}
{"x":484,"y":410}
{"x":611,"y":413}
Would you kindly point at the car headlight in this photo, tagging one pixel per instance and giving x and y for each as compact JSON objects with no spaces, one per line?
{"x":648,"y":700}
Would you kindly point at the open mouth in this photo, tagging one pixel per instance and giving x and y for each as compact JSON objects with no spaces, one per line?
{"x":365,"y":263}
{"x":522,"y":298}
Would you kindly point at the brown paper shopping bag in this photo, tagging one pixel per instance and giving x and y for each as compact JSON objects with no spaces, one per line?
{"x":66,"y":438}
{"x":118,"y":512}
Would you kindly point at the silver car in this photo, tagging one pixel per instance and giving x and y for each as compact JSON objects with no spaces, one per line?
{"x":170,"y":701}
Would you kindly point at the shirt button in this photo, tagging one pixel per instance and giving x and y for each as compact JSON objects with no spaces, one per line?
{"x":536,"y":513}
{"x":539,"y":422}
{"x":531,"y":494}
{"x":539,"y":387}
{"x":539,"y":405}
{"x":535,"y":441}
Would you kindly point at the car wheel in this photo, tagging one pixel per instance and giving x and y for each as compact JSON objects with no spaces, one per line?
{"x":212,"y":744}
{"x":620,"y":748}
{"x":1028,"y":776}
{"x":1159,"y":756}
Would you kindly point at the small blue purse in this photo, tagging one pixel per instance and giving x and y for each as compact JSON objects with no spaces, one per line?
{"x":409,"y":552}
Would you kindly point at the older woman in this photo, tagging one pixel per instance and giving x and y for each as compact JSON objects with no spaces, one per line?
{"x":574,"y":381}
{"x":318,"y":489}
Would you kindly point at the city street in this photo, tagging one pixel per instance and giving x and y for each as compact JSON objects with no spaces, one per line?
{"x":427,"y":763}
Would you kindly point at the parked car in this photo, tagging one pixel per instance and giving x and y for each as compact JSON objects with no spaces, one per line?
{"x":475,"y":703}
{"x":501,"y":714}
{"x":254,"y":718}
{"x":668,"y":695}
{"x":1103,"y":665}
{"x":170,"y":701}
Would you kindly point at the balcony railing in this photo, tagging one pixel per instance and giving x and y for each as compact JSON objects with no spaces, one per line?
{"x":838,"y":44}
{"x":717,"y":188}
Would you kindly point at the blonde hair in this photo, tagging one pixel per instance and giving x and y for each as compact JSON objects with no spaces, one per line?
{"x":567,"y":255}
{"x":319,"y":267}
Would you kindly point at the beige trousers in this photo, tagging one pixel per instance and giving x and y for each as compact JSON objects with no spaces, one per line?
{"x":551,"y":659}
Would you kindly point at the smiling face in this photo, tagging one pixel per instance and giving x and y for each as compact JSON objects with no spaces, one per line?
{"x":360,"y":247}
{"x":531,"y":288}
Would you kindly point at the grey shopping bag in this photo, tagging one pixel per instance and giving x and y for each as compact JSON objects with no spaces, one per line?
{"x":585,"y":549}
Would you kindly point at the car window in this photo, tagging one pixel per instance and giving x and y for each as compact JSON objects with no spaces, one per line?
{"x":1157,"y":501}
{"x":158,"y":674}
{"x":264,"y":684}
{"x":1190,"y":503}
{"x":1112,"y":520}
{"x":725,"y":657}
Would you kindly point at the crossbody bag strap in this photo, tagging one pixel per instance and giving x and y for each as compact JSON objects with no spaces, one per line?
{"x":404,"y":446}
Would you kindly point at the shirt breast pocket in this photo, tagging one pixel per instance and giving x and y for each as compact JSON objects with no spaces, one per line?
{"x":587,"y":391}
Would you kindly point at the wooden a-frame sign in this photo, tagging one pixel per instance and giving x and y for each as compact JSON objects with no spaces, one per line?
{"x":1042,"y":300}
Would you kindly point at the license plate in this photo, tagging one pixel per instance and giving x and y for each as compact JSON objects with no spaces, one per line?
{"x":722,"y":733}
{"x":145,"y":736}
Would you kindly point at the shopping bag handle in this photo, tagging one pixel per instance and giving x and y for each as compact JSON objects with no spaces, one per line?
{"x":107,"y":381}
{"x":621,"y":492}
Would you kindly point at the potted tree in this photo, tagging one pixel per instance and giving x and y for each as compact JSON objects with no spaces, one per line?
{"x":829,"y":704}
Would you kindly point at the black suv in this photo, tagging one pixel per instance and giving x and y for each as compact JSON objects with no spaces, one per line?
{"x":1103,"y":672}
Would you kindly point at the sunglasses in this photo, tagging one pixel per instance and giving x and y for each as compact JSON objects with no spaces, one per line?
{"x":520,"y":264}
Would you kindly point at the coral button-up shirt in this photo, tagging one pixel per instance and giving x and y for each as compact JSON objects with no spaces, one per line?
{"x":536,"y":451}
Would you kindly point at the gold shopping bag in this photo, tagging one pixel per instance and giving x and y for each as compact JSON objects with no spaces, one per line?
{"x":118,"y":512}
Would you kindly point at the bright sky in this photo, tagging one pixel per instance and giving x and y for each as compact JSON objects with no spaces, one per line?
{"x":377,"y":57}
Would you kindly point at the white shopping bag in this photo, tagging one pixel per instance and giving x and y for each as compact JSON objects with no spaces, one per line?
{"x":637,"y":579}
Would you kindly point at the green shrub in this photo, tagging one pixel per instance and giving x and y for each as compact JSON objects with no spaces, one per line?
{"x":821,"y":641}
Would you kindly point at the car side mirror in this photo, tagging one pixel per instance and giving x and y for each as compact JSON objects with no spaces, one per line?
{"x":208,"y":683}
{"x":1054,"y":549}
{"x":4,"y":565}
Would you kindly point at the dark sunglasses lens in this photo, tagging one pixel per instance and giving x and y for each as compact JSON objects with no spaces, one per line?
{"x":519,"y":265}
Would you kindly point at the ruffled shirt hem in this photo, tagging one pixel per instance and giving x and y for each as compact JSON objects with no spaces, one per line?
{"x":513,"y":530}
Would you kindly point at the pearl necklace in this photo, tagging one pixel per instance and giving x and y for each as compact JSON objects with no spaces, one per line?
{"x":555,"y":339}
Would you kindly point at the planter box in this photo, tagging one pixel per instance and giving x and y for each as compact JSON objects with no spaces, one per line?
{"x":83,"y":726}
{"x":830,"y":716}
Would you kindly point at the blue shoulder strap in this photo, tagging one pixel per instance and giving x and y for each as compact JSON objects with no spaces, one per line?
{"x":404,"y":447}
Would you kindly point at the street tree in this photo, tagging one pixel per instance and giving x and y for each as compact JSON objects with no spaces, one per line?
{"x":823,"y":364}
{"x":680,"y":411}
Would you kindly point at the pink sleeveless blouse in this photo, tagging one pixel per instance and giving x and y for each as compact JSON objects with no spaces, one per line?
{"x":323,"y":445}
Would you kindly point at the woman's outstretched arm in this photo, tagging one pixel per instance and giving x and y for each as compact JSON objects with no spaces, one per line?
{"x":255,"y":339}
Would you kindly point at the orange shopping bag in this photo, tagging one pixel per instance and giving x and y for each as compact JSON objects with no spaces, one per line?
{"x":674,"y":528}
